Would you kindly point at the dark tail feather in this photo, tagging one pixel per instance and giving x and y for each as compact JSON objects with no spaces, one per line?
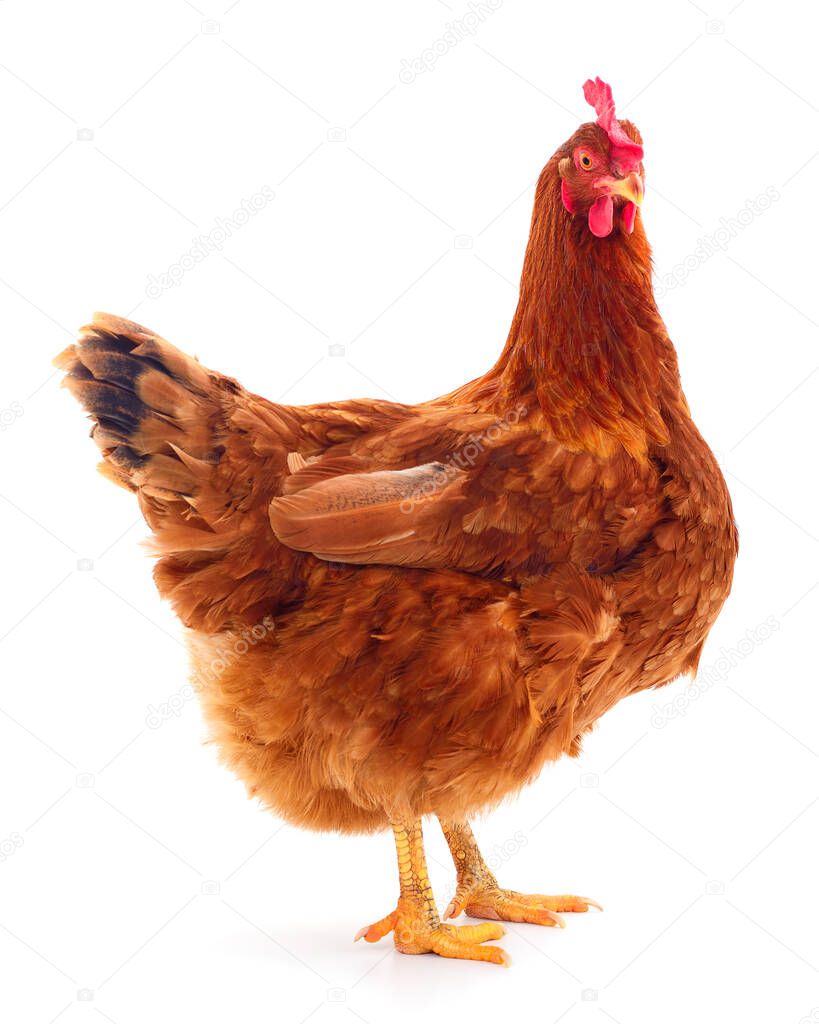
{"x":152,"y":406}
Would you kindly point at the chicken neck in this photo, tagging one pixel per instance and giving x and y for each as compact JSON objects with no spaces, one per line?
{"x":587,"y":342}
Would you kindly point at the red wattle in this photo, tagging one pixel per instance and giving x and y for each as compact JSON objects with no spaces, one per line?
{"x":601,"y":216}
{"x":568,"y":202}
{"x":629,"y":213}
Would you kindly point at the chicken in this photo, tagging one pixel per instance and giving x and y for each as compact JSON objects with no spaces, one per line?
{"x":397,"y":611}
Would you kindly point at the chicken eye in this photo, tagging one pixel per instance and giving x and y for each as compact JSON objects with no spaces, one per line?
{"x":586,"y":161}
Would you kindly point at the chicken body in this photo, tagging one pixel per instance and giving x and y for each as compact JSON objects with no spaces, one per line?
{"x":396,"y":691}
{"x":402,"y":610}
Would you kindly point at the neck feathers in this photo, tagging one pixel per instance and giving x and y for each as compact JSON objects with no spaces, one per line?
{"x":587,"y":339}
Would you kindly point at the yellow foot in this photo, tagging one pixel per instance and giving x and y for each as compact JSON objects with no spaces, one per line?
{"x":490,"y":901}
{"x":417,"y":933}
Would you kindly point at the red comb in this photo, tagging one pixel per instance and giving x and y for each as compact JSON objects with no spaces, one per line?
{"x":626,"y":152}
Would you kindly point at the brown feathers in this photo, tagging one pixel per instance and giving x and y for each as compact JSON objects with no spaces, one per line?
{"x":367,"y":517}
{"x":397,"y":610}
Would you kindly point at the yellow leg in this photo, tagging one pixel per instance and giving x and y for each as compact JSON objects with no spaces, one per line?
{"x":479,"y":895}
{"x":415,"y":923}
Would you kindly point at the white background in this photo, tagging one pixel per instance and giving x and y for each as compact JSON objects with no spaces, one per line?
{"x":137,"y":883}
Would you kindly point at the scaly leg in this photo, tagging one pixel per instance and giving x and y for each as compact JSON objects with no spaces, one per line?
{"x":479,"y":894}
{"x":415,"y":923}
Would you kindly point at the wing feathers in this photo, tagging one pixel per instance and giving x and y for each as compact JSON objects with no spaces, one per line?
{"x":367,"y":517}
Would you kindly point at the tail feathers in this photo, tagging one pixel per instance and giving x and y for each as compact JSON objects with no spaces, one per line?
{"x":154,"y":408}
{"x":204,"y":459}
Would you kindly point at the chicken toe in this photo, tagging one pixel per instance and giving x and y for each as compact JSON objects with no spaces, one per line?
{"x":415,"y":923}
{"x":479,"y":895}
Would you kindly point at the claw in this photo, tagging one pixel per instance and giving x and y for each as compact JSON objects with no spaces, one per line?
{"x":374,"y":932}
{"x":498,"y":904}
{"x":562,"y":904}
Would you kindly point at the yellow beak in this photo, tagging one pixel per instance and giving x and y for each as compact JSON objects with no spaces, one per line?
{"x":630,"y":187}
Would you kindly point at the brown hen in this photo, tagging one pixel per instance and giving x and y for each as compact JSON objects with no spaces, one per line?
{"x":396,"y":610}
